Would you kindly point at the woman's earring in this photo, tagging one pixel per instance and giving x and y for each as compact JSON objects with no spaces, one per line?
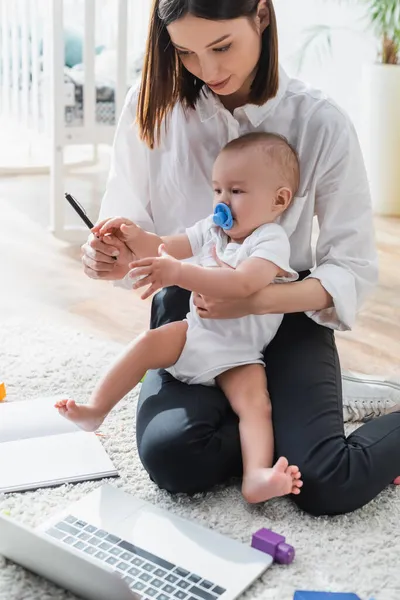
{"x":195,"y":81}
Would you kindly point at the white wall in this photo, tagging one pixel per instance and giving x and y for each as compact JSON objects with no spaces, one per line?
{"x":339,"y":75}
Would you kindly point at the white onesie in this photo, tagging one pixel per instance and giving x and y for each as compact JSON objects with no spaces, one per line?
{"x":216,"y":345}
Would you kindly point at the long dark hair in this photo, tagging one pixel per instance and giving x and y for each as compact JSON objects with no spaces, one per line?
{"x":165,"y":81}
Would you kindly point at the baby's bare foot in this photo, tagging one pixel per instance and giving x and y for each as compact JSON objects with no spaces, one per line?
{"x":397,"y":481}
{"x":85,"y":416}
{"x":263,"y":484}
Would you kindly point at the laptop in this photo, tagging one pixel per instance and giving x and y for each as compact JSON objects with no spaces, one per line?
{"x":110,"y":544}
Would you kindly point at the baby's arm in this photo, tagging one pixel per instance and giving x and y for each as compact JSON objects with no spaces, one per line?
{"x":143,"y":243}
{"x":251,"y":276}
{"x":269,"y":255}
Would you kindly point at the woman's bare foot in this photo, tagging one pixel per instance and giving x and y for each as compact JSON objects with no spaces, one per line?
{"x":85,"y":416}
{"x":263,"y":484}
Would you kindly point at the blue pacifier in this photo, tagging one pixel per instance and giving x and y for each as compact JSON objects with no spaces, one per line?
{"x":223,"y":216}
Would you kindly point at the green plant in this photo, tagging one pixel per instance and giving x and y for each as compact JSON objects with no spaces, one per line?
{"x":382,"y":15}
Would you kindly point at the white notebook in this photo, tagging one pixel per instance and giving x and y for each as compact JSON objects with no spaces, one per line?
{"x":39,"y":448}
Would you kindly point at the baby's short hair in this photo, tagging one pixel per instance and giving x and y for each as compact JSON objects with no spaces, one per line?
{"x":275,"y":147}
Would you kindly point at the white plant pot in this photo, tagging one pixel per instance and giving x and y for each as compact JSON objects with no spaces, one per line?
{"x":381,"y":136}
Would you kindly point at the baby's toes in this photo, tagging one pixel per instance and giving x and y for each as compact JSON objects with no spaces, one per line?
{"x":297,"y":483}
{"x":60,"y":403}
{"x":292,"y":470}
{"x":296,"y":491}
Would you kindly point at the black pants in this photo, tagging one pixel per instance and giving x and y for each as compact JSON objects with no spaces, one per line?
{"x":188,"y":437}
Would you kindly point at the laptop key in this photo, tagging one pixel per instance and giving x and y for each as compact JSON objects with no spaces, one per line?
{"x":101,"y":533}
{"x":113,"y":538}
{"x":151,"y":592}
{"x":181,"y":572}
{"x":111,"y":560}
{"x":206,"y":584}
{"x":140,"y":586}
{"x":80,"y":545}
{"x":70,"y":519}
{"x":90,"y":528}
{"x":101,"y":555}
{"x":69,"y":540}
{"x":145,"y":577}
{"x":134,"y":571}
{"x":126,"y":556}
{"x":162,"y":597}
{"x":90,"y":550}
{"x":171,"y":578}
{"x":95,"y":541}
{"x":84,"y":536}
{"x":105,"y":546}
{"x":56,"y":533}
{"x":67,"y":528}
{"x":114,"y":550}
{"x":157,"y":560}
{"x":168,"y":589}
{"x":122,"y":566}
{"x":148,"y":567}
{"x":80,"y":523}
{"x":159,"y":573}
{"x":194,"y":578}
{"x":218,"y":590}
{"x":128,"y":579}
{"x":183,"y":584}
{"x":157,"y":583}
{"x":201,"y":593}
{"x":180,"y":595}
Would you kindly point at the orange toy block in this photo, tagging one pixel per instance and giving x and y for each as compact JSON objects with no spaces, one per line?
{"x":3,"y":392}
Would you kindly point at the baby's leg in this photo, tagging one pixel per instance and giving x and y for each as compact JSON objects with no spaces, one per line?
{"x":246,"y":389}
{"x":155,"y":349}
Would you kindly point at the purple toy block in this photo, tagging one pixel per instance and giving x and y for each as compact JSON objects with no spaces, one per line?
{"x":273,"y":544}
{"x":303,"y":595}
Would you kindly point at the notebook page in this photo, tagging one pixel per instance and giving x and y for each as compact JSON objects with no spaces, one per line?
{"x":32,"y":418}
{"x":39,"y":462}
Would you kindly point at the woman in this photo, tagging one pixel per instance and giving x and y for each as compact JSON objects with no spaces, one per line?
{"x":211,"y":74}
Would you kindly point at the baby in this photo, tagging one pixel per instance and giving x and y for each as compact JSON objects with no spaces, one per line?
{"x":255,"y":178}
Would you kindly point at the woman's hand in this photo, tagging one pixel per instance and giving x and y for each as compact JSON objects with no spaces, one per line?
{"x":155,"y":272}
{"x":106,"y":258}
{"x":125,"y":230}
{"x":142,"y":243}
{"x":214,"y":308}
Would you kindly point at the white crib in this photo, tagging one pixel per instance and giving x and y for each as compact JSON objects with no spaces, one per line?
{"x":39,"y":96}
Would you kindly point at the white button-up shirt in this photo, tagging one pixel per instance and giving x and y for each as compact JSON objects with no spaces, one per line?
{"x":168,"y":189}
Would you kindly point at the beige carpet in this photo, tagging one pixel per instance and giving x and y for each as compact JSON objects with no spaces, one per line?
{"x":358,"y":552}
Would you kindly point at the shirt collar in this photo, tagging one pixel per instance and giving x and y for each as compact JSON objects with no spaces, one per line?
{"x":209,"y":105}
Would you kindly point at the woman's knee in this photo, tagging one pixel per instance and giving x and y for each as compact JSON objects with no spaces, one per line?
{"x":316,"y":497}
{"x":163,"y":462}
{"x":325,"y":492}
{"x":187,"y":443}
{"x":184,"y":462}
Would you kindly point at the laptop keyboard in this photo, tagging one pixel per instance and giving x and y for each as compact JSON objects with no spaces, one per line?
{"x":148,"y":575}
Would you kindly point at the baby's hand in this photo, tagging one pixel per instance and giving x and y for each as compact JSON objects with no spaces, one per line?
{"x":158,"y":272}
{"x":122,"y":228}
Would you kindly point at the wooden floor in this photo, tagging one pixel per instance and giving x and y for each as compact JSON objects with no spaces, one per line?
{"x":38,"y":270}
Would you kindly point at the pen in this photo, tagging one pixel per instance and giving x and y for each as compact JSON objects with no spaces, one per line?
{"x":81,"y":212}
